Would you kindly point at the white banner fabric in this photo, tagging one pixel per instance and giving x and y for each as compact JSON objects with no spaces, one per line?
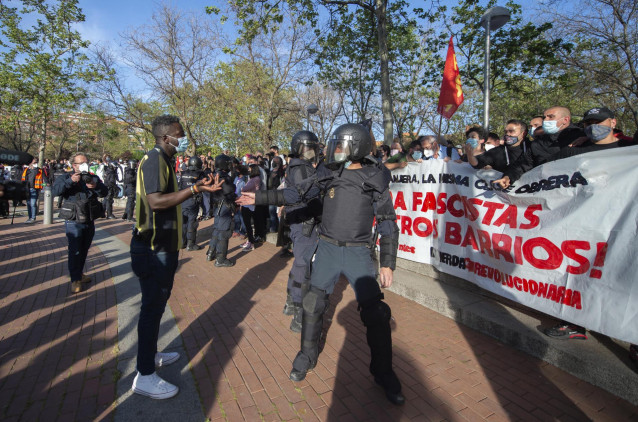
{"x":561,"y":240}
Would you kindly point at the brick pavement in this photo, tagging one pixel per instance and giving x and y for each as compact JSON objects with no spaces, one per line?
{"x":57,"y":350}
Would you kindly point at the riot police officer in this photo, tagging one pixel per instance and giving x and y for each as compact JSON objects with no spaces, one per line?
{"x":190,"y":207}
{"x":302,"y":218}
{"x":355,"y":195}
{"x":58,"y":171}
{"x":223,"y":209}
{"x":111,"y":177}
{"x":130,"y":178}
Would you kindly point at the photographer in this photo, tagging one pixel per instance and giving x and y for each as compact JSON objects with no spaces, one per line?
{"x":79,"y":190}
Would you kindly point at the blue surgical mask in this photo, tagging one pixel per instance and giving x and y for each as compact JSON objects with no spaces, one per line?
{"x":550,"y":126}
{"x":597,"y":132}
{"x":472,"y":141}
{"x":531,"y":130}
{"x":182,"y":143}
{"x":417,"y":155}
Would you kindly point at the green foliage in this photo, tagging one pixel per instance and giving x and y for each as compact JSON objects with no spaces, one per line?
{"x":42,"y":67}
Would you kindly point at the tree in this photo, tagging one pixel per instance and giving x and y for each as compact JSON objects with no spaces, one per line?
{"x":174,"y":62}
{"x":605,"y":36}
{"x":265,"y":16}
{"x":42,"y":67}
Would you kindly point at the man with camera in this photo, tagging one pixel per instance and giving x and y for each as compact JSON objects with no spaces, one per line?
{"x":79,"y":190}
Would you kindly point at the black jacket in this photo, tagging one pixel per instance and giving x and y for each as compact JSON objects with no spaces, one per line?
{"x":541,"y":149}
{"x":70,"y":191}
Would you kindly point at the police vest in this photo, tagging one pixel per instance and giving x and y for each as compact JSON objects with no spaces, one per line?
{"x":348,"y":212}
{"x":189,"y":178}
{"x":129,"y":176}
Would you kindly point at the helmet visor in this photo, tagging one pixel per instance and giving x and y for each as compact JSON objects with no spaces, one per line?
{"x":308,"y":151}
{"x":339,"y":150}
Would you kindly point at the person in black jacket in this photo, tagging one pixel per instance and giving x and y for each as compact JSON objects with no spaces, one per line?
{"x":130,"y":176}
{"x":75,"y":186}
{"x":559,"y":133}
{"x":500,"y":157}
{"x":111,"y":177}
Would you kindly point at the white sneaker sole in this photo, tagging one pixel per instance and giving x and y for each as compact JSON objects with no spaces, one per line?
{"x":165,"y":362}
{"x":157,"y":396}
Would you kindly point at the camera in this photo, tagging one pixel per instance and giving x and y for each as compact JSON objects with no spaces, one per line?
{"x":88,"y":178}
{"x":14,"y":190}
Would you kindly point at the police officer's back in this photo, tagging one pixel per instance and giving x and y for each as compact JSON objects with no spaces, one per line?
{"x":190,"y":207}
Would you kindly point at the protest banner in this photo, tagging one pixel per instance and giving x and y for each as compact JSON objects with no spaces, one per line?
{"x":561,"y":240}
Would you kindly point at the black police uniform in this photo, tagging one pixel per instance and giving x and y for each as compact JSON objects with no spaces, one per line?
{"x":190,"y":207}
{"x":303,"y":220}
{"x":223,"y":207}
{"x":59,"y":172}
{"x":110,"y":181}
{"x":130,"y":178}
{"x":352,"y":200}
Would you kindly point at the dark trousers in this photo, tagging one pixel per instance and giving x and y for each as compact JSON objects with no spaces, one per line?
{"x":129,"y":191}
{"x":302,"y":249}
{"x":190,"y":209}
{"x":155,"y":271}
{"x":108,"y":200}
{"x":273,"y":223}
{"x":80,"y":236}
{"x":261,"y":218}
{"x":248,"y":217}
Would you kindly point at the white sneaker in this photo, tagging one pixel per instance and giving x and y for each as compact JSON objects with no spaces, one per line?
{"x":249,"y":247}
{"x":163,"y":359}
{"x":154,"y":387}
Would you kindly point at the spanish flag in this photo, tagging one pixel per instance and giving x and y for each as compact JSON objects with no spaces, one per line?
{"x":451,"y":95}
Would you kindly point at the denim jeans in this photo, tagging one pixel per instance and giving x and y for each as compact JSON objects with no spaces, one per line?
{"x":80,"y":236}
{"x":155,"y":271}
{"x":273,"y":219}
{"x":32,"y":205}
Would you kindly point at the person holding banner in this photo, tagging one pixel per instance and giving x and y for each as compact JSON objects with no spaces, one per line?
{"x":400,"y":160}
{"x":559,"y":134}
{"x":500,"y":157}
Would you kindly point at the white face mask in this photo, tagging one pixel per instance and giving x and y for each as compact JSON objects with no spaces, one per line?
{"x":84,"y":167}
{"x":393,"y":152}
{"x":340,"y":156}
{"x":489,"y":147}
{"x":35,"y":166}
{"x":427,"y":153}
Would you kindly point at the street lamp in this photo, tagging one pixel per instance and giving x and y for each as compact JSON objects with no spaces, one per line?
{"x":492,"y":19}
{"x":311,"y":109}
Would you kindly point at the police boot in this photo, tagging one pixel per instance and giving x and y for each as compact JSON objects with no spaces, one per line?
{"x":210,"y":253}
{"x":315,"y":304}
{"x":222,"y":250}
{"x":288,"y":306}
{"x":124,"y":216}
{"x":375,"y":315}
{"x":295,"y":324}
{"x":192,"y":246}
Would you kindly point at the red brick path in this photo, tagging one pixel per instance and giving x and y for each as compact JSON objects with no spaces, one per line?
{"x":58,"y":354}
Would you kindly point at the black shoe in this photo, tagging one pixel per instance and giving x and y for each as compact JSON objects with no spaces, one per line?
{"x":131,"y":220}
{"x":124,"y":217}
{"x":300,"y":374}
{"x":295,"y":324}
{"x":566,"y":331}
{"x":210,"y":254}
{"x":286,"y":253}
{"x":289,"y":308}
{"x":110,"y":217}
{"x":224,"y":263}
{"x":193,"y":247}
{"x":396,"y":398}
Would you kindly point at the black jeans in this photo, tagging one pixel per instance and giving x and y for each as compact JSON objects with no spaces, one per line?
{"x":156,"y":272}
{"x":249,"y":221}
{"x":80,"y":236}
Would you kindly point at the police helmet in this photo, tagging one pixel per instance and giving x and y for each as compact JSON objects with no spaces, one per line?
{"x":350,"y":142}
{"x":195,"y":163}
{"x":304,"y":145}
{"x":223,"y":162}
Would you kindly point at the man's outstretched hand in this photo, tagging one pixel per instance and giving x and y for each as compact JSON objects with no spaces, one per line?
{"x":210,"y":184}
{"x":246,"y":198}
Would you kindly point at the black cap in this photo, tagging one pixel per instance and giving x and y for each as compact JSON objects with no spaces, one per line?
{"x":599,"y":114}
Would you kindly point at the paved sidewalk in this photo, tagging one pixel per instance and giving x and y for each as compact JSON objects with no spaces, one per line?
{"x":60,"y":353}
